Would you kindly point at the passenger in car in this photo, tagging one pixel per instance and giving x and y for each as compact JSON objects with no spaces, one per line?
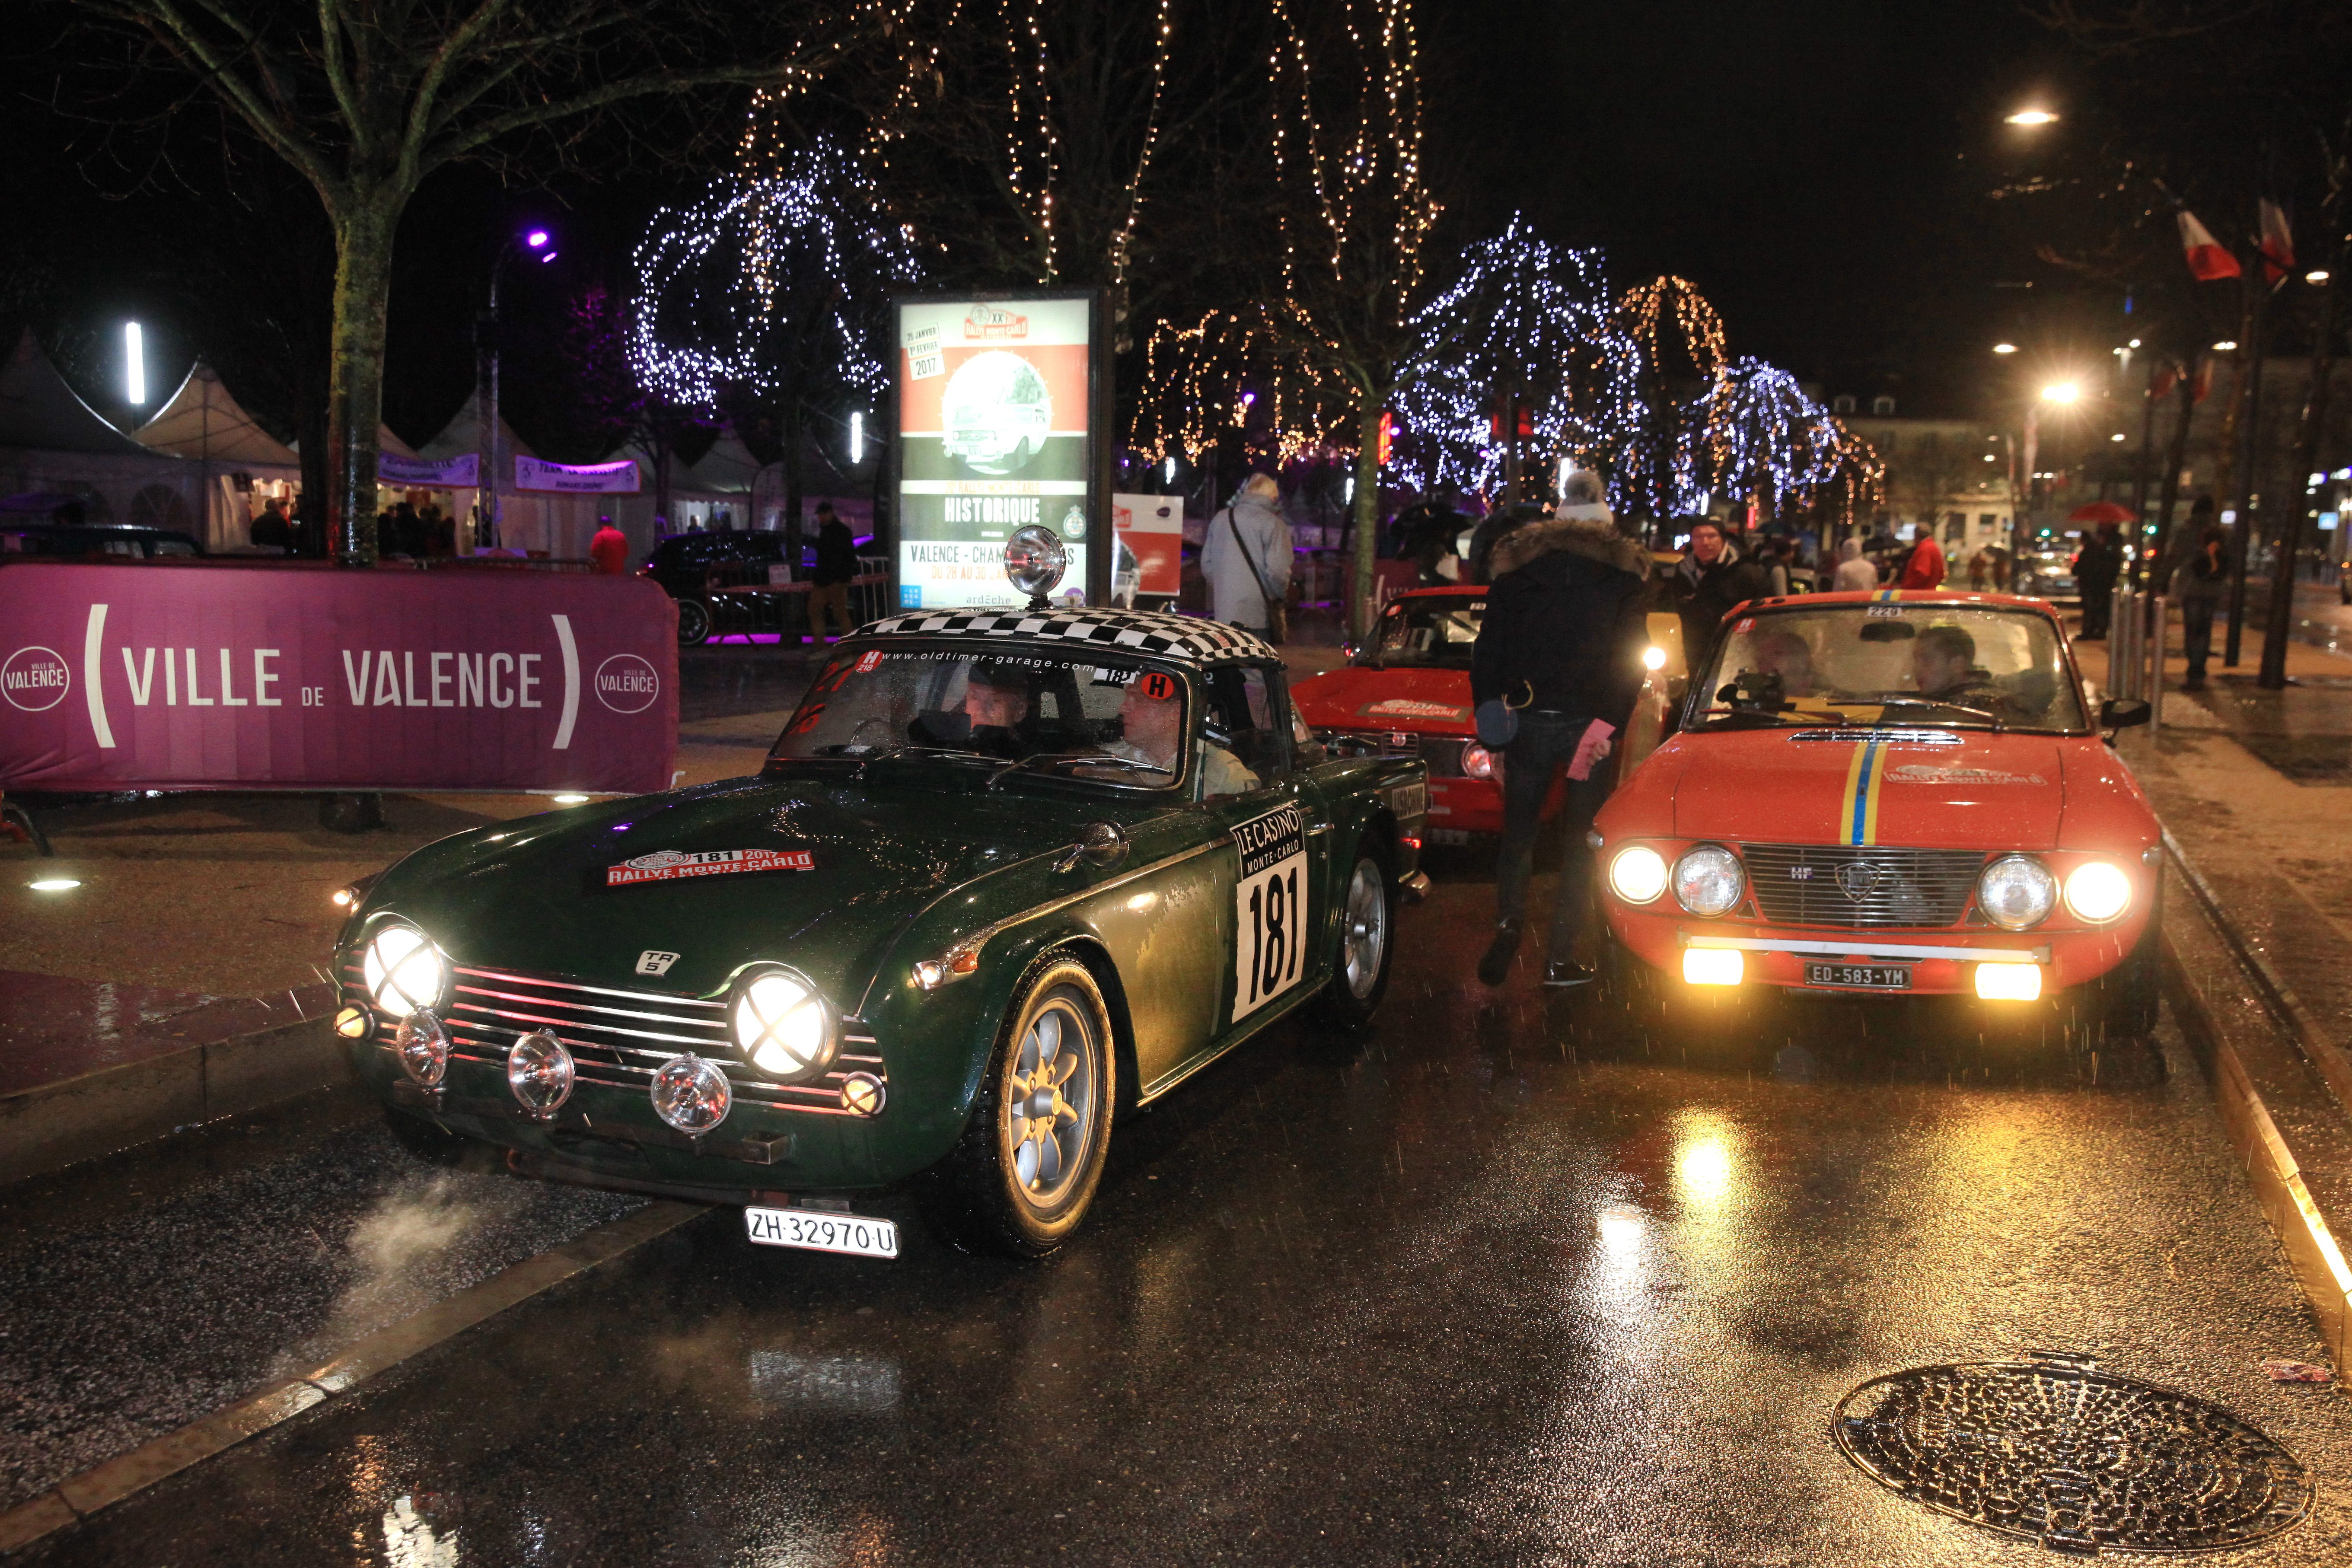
{"x":1943,"y":662}
{"x":1151,"y":728}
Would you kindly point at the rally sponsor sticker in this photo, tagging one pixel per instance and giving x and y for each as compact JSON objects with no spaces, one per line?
{"x":1929,"y":773}
{"x":1269,"y":907}
{"x":1412,"y":707}
{"x":673,"y":864}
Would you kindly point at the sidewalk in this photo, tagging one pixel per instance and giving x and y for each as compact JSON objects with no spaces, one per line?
{"x":2254,"y":787}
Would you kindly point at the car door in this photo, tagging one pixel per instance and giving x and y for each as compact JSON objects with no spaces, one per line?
{"x":1270,"y":879}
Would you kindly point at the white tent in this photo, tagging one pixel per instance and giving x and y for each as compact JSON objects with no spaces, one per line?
{"x":239,"y":460}
{"x":52,"y":443}
{"x":557,"y":526}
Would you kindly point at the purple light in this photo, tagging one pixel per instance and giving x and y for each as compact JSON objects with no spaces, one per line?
{"x":535,"y":238}
{"x":547,"y":258}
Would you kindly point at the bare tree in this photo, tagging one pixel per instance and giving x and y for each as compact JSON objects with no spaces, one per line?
{"x":1356,"y":216}
{"x":366,"y":97}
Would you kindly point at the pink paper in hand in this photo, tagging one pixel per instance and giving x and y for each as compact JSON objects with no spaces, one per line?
{"x":1590,"y":750}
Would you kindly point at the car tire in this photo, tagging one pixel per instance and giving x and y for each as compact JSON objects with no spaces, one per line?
{"x":1364,"y":945}
{"x":693,"y":623}
{"x":2110,"y":1027}
{"x":1018,"y":1183}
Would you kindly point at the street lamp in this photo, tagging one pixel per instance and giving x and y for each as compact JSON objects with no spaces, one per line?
{"x":2316,"y":274}
{"x":536,"y":242}
{"x":2004,"y":348}
{"x":2062,"y":392}
{"x":2031,"y":116}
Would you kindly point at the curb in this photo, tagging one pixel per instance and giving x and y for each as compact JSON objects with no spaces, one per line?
{"x":126,"y":1475}
{"x":54,"y":1125}
{"x":2277,"y":1100}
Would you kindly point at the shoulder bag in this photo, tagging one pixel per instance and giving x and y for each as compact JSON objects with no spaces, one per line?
{"x":1277,"y":612}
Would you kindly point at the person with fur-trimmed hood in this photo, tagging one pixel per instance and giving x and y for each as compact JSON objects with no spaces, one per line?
{"x":1561,"y":645}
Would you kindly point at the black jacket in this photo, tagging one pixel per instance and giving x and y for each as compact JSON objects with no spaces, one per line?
{"x":1564,"y":622}
{"x":2100,"y":560}
{"x":1703,"y":595}
{"x":837,"y":555}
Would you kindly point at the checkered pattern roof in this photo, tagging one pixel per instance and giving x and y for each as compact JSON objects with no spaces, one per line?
{"x":1150,"y":632}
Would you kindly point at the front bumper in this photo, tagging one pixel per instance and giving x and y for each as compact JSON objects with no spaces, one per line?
{"x":1943,"y":961}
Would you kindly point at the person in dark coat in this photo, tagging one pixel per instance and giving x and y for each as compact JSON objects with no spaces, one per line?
{"x":1426,"y":533}
{"x":836,"y":564}
{"x":2197,"y":584}
{"x":2097,"y":565}
{"x":1710,"y":578}
{"x":1561,"y":643}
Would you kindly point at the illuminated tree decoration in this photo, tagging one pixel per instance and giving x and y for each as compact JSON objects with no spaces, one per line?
{"x":1230,"y":375}
{"x":1522,"y":317}
{"x":781,"y":250}
{"x":1760,"y":436}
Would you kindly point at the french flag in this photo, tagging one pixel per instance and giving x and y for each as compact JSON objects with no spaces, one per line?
{"x":2209,"y":259}
{"x":2277,"y":243}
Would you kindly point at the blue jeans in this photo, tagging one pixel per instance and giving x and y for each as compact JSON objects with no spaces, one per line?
{"x":1545,"y":745}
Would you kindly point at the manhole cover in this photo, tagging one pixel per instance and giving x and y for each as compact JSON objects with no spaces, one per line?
{"x":2079,"y":1459}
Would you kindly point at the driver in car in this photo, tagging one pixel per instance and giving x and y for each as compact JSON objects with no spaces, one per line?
{"x":1787,"y":656}
{"x":1943,"y":662}
{"x":994,"y":720}
{"x":1151,"y":731}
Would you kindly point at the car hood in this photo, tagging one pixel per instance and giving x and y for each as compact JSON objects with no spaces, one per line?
{"x":1984,"y":791}
{"x":533,"y":896}
{"x":1357,"y":697}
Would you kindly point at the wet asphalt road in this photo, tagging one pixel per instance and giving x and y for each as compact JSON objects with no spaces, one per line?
{"x":1497,"y":1283}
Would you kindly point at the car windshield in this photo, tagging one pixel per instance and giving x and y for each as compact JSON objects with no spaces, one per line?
{"x":1947,"y":665}
{"x":1435,"y":633}
{"x":1081,"y":714}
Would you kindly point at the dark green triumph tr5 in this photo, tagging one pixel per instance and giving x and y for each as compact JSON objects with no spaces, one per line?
{"x":1005,"y":877}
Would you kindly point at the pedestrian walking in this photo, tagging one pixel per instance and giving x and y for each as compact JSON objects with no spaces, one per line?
{"x":836,"y":564}
{"x":1558,"y":664}
{"x":2199,"y":583}
{"x":1854,"y":573}
{"x":1925,"y":568}
{"x":1245,"y":559}
{"x":1711,"y":577}
{"x":609,"y":549}
{"x":2097,"y":565}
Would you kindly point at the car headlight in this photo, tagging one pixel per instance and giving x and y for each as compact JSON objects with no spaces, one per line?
{"x":1638,"y":874}
{"x":540,"y":1072}
{"x":1709,"y":881}
{"x":691,"y":1094}
{"x":404,"y":970}
{"x":782,"y":1024}
{"x":1477,"y":762}
{"x":2016,"y":891}
{"x":2098,"y":892}
{"x":422,"y":1047}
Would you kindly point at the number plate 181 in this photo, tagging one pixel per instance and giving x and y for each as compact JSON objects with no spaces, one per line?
{"x":1270,"y":909}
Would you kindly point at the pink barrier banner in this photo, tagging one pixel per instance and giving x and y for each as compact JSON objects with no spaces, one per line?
{"x":159,"y":677}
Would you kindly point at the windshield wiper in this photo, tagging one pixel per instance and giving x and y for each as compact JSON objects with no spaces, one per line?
{"x":906,"y":748}
{"x":1082,"y":758}
{"x":1766,"y":716}
{"x":1991,"y":718}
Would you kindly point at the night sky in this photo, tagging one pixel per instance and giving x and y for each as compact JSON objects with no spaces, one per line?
{"x":1816,"y":167}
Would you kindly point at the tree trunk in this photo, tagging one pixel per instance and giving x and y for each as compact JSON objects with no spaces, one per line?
{"x":363,"y":236}
{"x":1368,"y":517}
{"x":795,"y":479}
{"x":2279,"y":622}
{"x":2158,"y":573}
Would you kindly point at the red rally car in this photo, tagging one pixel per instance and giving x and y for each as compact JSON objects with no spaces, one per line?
{"x":1891,"y":792}
{"x":1407,"y":692}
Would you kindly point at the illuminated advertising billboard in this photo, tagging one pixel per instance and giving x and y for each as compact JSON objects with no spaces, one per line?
{"x":996,"y":401}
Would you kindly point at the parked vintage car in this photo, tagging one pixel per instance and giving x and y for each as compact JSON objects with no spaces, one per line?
{"x":684,"y":565}
{"x":1891,"y":793}
{"x":1406,"y":693}
{"x":1007,"y":877}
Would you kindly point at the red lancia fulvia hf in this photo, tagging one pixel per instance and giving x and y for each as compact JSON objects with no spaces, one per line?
{"x":1891,"y":793}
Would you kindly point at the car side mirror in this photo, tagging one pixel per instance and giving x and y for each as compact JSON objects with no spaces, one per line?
{"x":2122,"y":712}
{"x":1100,"y":845}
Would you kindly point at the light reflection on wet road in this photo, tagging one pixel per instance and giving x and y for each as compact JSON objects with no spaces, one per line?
{"x":1495,"y":1284}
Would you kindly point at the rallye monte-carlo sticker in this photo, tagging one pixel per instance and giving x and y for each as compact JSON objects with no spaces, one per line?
{"x":669,"y":864}
{"x":1269,"y":907}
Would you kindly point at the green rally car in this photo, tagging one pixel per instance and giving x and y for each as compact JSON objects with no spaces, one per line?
{"x":1005,"y":877}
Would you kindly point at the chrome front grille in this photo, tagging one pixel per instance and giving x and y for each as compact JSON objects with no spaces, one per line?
{"x":1826,"y":885}
{"x":1441,"y":752}
{"x":620,"y":1038}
